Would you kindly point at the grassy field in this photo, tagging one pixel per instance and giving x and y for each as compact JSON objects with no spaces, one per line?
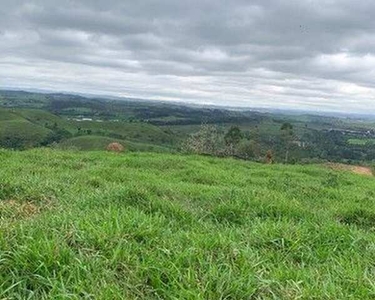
{"x":97,"y":225}
{"x":32,"y":126}
{"x":140,"y":132}
{"x":361,"y":142}
{"x":17,"y":127}
{"x":98,"y":143}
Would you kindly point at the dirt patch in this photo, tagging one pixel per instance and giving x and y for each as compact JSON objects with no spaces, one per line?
{"x":363,"y":171}
{"x":354,"y":169}
{"x":13,"y":208}
{"x":115,"y":147}
{"x":17,"y":210}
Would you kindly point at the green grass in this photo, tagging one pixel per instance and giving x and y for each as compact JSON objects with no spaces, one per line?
{"x":98,"y":225}
{"x":44,"y":118}
{"x":98,"y":143}
{"x":139,"y":132}
{"x":7,"y":115}
{"x":26,"y":125}
{"x":361,"y":142}
{"x":31,"y":126}
{"x":27,"y":132}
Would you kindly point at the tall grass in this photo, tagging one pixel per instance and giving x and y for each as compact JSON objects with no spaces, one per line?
{"x":161,"y":226}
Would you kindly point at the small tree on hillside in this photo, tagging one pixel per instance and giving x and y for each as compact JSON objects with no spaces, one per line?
{"x":287,"y":138}
{"x":232,"y":138}
{"x":248,"y":149}
{"x":205,"y":141}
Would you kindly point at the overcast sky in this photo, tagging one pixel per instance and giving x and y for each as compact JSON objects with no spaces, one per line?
{"x":301,"y":54}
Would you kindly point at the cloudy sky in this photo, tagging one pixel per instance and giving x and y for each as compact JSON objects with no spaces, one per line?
{"x":301,"y":54}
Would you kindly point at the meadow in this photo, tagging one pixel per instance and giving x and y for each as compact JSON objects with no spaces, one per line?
{"x":98,"y":143}
{"x":28,"y":128}
{"x":361,"y":142}
{"x":98,"y":225}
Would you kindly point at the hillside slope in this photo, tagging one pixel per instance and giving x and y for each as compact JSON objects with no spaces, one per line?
{"x":17,"y":131}
{"x":99,"y":143}
{"x":79,"y":225}
{"x":27,"y":128}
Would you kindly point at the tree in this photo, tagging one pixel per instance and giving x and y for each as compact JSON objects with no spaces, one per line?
{"x":286,"y":138}
{"x":232,"y":138}
{"x":206,"y":141}
{"x":287,"y":127}
{"x":248,"y":149}
{"x":56,"y":136}
{"x":12,"y":142}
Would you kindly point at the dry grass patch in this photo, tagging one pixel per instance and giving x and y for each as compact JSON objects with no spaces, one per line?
{"x":354,"y":169}
{"x":115,"y":147}
{"x":14,"y":210}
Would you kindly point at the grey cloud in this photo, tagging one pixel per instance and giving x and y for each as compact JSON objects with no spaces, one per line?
{"x":274,"y":53}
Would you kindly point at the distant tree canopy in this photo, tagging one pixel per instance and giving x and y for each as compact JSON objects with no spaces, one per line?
{"x":210,"y":140}
{"x":233,"y":136}
{"x":286,"y":138}
{"x":286,"y":127}
{"x":56,"y":136}
{"x":12,"y":142}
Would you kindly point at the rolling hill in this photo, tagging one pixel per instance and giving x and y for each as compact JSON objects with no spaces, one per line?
{"x":27,"y":128}
{"x":98,"y":225}
{"x":17,"y":131}
{"x":99,"y":143}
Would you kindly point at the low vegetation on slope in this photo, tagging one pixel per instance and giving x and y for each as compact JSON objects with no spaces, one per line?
{"x":18,"y":133}
{"x":97,"y":225}
{"x":99,"y":143}
{"x":26,"y":128}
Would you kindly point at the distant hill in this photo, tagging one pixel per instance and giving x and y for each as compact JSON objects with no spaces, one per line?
{"x":16,"y":130}
{"x":26,"y":128}
{"x":32,"y":119}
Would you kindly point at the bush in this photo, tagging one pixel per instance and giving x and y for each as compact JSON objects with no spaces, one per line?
{"x":206,"y":141}
{"x":248,"y":150}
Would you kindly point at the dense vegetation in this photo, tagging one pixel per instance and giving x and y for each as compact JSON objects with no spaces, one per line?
{"x":96,"y":225}
{"x":63,"y":121}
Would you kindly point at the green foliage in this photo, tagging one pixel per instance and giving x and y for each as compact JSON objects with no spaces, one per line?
{"x":20,"y":134}
{"x":248,"y":150}
{"x":287,"y":127}
{"x":56,"y":136}
{"x":233,"y":136}
{"x":98,"y":225}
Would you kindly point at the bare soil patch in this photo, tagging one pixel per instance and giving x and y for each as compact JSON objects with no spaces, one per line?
{"x":354,"y":169}
{"x":115,"y":147}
